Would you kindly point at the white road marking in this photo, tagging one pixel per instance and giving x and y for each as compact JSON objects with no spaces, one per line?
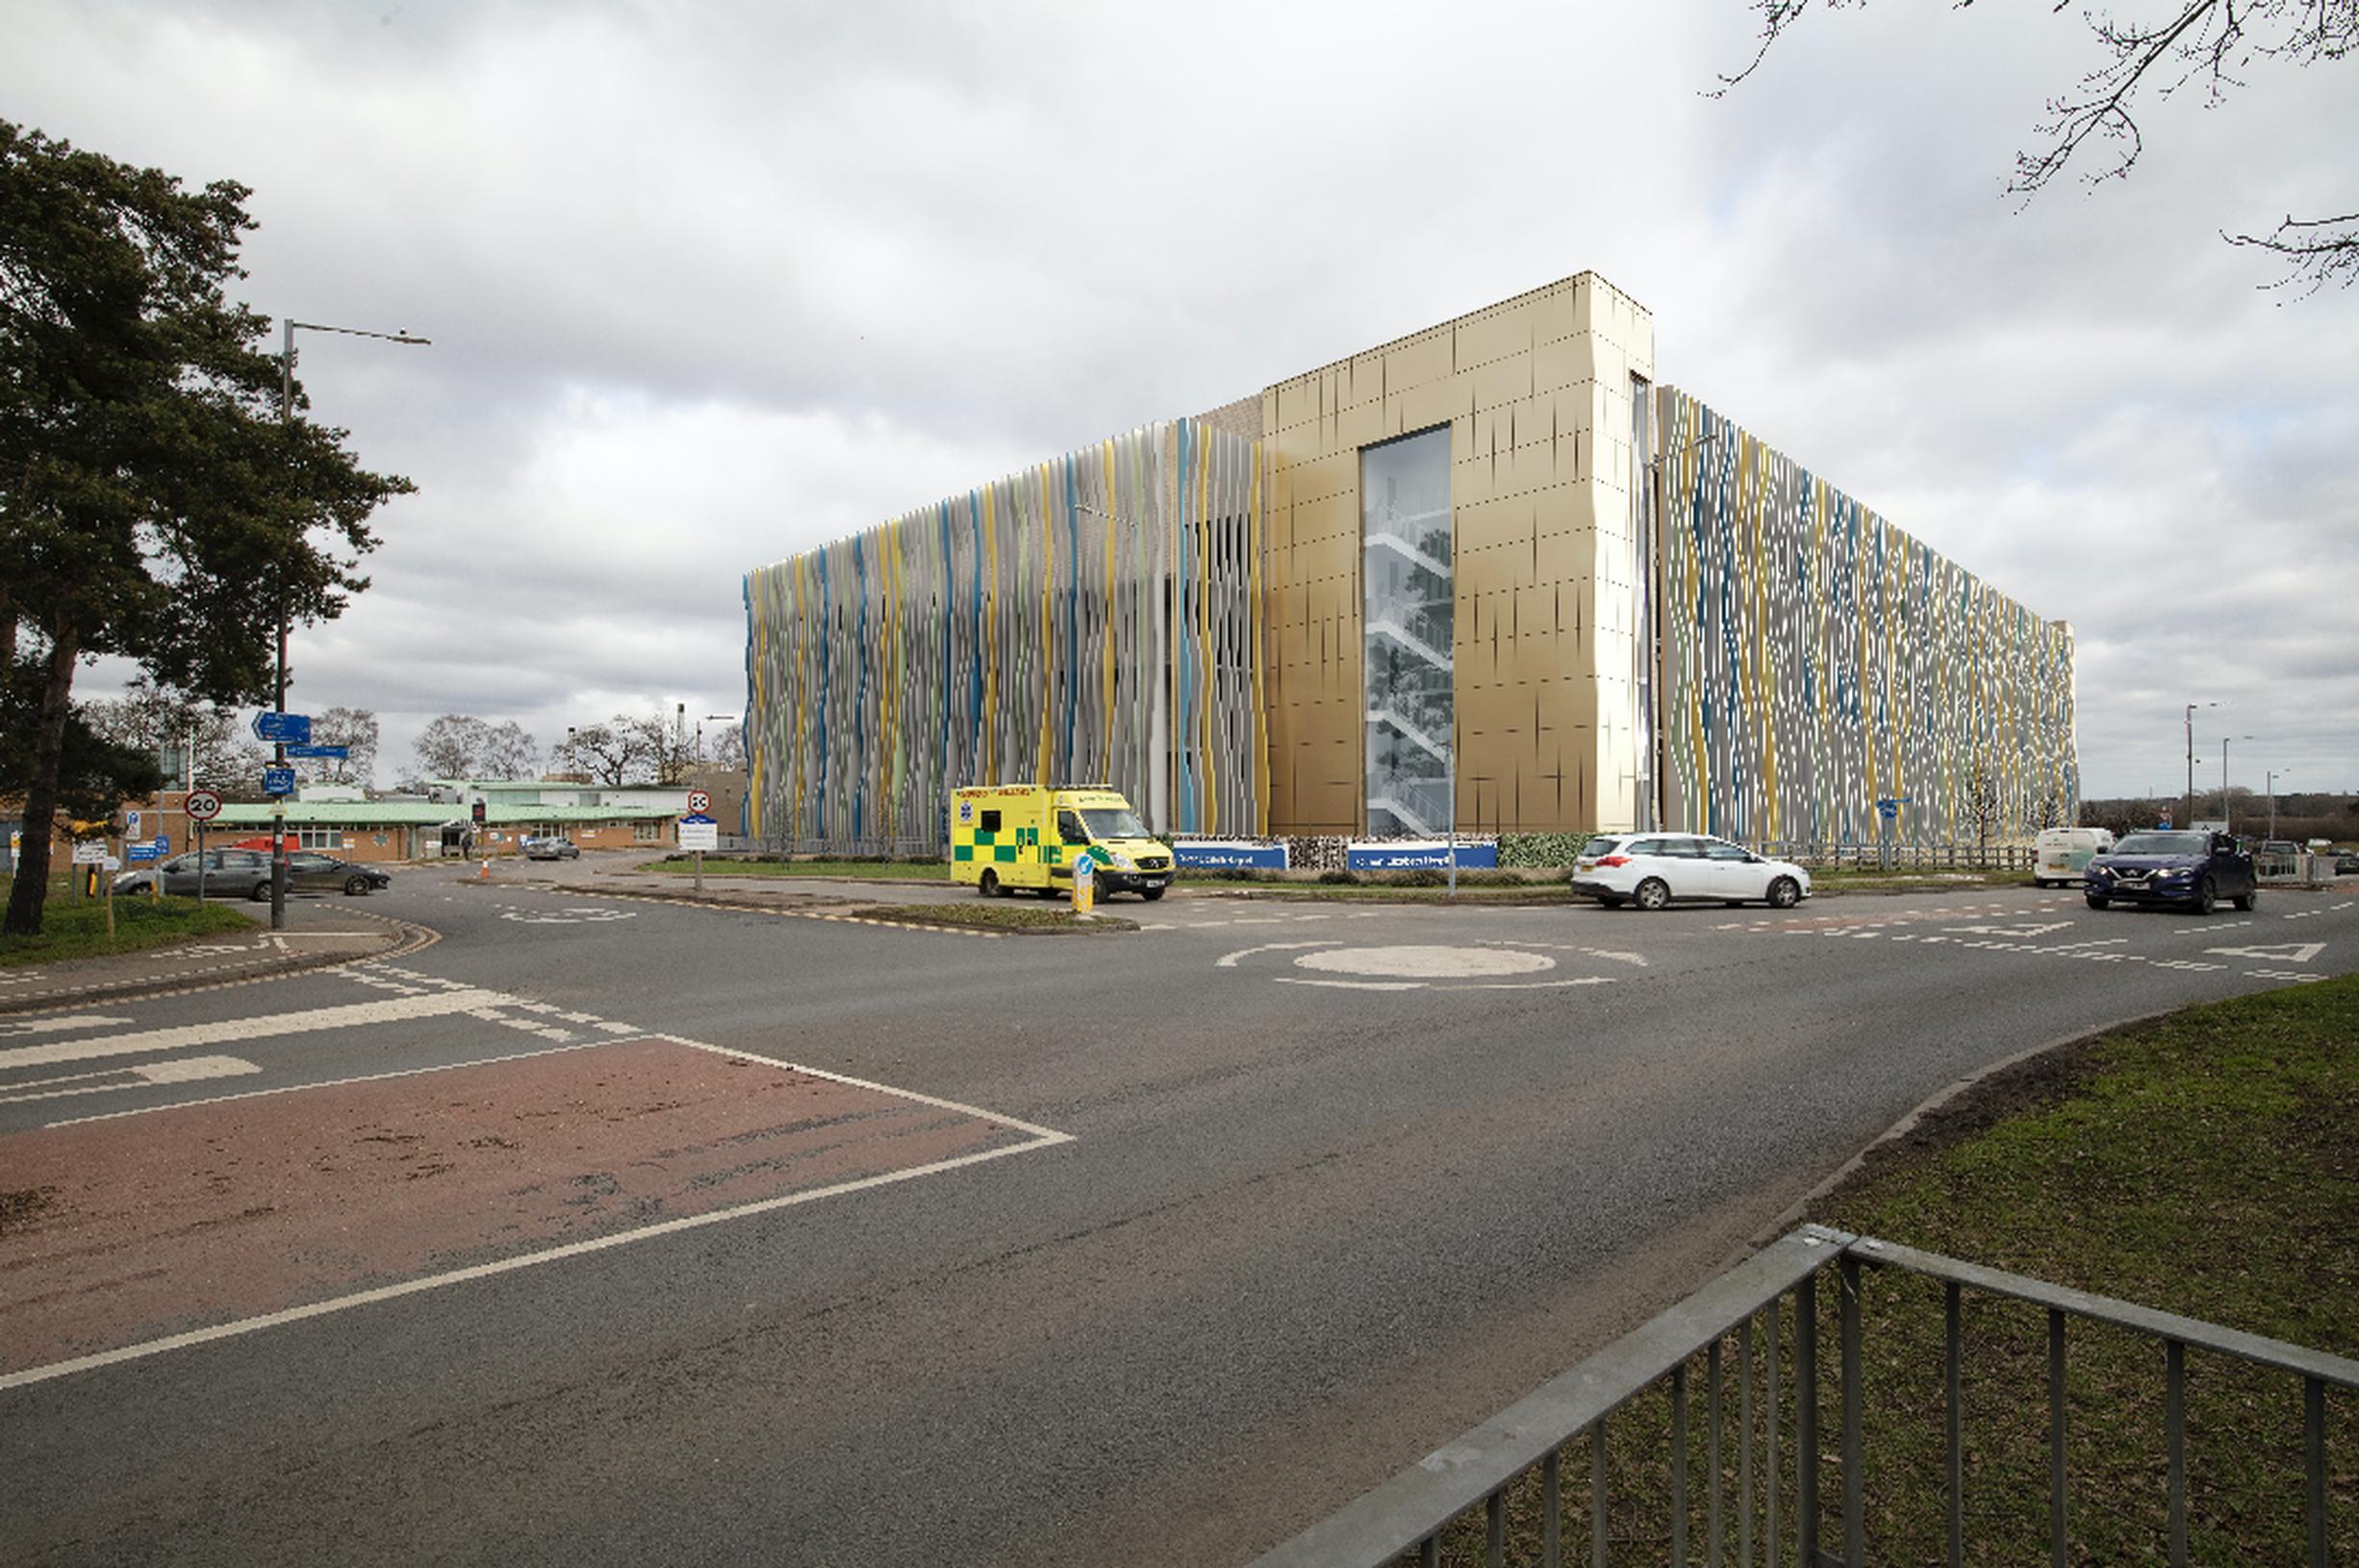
{"x":579,"y":915}
{"x":181,"y":1070}
{"x":55,"y":1025}
{"x":2281,"y":952}
{"x":1422,"y":963}
{"x":1230,"y":960}
{"x":1353,"y":985}
{"x":259,"y":1027}
{"x":1040,"y":1138}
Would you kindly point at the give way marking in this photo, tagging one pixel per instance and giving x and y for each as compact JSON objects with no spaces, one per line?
{"x":2283,"y":952}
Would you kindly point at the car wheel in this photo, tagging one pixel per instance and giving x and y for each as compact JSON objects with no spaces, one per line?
{"x":2246,"y":900}
{"x":1150,"y":894}
{"x":2095,"y":903}
{"x":1785,"y":893}
{"x":355,"y":886}
{"x":989,"y":885}
{"x":2207,"y":897}
{"x":262,"y":891}
{"x":1652,"y":894}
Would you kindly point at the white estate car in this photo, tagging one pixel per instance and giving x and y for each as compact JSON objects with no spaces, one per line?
{"x":1650,"y":870}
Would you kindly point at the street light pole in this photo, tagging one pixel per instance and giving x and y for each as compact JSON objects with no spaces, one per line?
{"x":2191,"y":760}
{"x":278,"y":683}
{"x":2272,"y":799}
{"x":2227,"y":812}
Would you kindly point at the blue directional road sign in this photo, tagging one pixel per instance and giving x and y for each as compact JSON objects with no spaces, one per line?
{"x":278,"y":781}
{"x":338,"y":753}
{"x":1889,"y":807}
{"x":154,"y":849}
{"x":283,"y":726}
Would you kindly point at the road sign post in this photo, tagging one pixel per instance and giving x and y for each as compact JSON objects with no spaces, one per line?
{"x":1888,"y":811}
{"x":202,"y":808}
{"x":279,"y":729}
{"x":698,"y":832}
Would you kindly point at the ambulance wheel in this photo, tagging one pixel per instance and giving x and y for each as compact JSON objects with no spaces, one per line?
{"x":1150,"y":894}
{"x":989,"y":887}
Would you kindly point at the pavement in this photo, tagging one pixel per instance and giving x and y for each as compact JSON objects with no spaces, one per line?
{"x":611,"y":1229}
{"x":320,"y":930}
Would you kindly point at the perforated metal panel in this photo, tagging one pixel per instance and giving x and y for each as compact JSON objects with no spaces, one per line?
{"x":1818,"y":658}
{"x":1088,"y":620}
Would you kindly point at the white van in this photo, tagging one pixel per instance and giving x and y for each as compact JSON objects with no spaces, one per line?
{"x":2061,"y":855}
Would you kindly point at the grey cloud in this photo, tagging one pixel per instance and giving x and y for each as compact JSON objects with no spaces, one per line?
{"x":710,"y":283}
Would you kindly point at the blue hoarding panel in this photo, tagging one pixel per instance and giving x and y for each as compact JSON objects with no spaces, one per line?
{"x":1418,"y":857}
{"x":1214,"y":852}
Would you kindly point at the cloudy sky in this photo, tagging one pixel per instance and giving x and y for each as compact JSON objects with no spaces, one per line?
{"x":710,"y":284}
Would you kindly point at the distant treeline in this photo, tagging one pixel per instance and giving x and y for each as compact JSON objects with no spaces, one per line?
{"x":2301,"y":815}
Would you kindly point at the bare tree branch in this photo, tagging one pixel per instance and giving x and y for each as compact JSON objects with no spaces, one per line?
{"x":2208,"y":42}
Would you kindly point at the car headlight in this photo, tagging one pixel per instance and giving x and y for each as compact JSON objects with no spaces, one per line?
{"x":1121,"y":862}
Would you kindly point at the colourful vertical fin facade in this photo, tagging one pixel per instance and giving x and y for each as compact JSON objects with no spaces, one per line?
{"x":1823,"y":659}
{"x":1013,"y":633}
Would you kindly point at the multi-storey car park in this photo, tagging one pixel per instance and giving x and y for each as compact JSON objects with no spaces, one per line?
{"x":1488,"y":574}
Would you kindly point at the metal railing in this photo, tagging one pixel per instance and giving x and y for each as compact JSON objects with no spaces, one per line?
{"x":1912,"y":857}
{"x":1527,"y":1441}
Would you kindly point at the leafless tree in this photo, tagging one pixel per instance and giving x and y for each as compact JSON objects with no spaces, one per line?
{"x":356,"y":730}
{"x":2208,"y":44}
{"x":153,"y":719}
{"x":1982,"y":805}
{"x":461,"y":745}
{"x":612,"y":754}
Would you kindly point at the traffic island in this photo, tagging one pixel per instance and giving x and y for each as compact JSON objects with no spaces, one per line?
{"x":1013,"y":919}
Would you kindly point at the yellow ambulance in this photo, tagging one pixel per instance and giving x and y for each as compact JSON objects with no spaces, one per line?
{"x":1006,"y":836}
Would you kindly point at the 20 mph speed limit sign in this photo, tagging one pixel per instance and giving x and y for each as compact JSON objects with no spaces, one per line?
{"x":698,"y":802}
{"x":202,"y":805}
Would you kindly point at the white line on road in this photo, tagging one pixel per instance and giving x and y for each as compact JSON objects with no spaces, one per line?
{"x":56,"y":1025}
{"x":1041,"y":1138}
{"x":180,"y":1069}
{"x":260,"y":1028}
{"x":1229,"y":960}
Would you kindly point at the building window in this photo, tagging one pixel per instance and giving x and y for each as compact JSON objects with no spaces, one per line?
{"x":1406,"y":558}
{"x":648,"y":832}
{"x":321,"y":838}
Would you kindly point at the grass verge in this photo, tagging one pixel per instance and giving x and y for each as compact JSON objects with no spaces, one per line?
{"x":72,"y":930}
{"x":1823,"y":883}
{"x":858,"y":871}
{"x":2205,"y":1163}
{"x":999,"y":915}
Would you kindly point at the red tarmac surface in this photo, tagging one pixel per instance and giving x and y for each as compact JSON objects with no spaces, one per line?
{"x":120,"y":1231}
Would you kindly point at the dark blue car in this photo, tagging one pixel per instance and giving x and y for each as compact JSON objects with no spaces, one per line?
{"x":2193,"y":869}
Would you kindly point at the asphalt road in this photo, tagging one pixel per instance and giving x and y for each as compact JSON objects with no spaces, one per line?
{"x":1196,"y":1233}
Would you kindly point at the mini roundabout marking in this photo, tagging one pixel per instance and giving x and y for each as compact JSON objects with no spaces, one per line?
{"x":1491,"y":967}
{"x":576,"y":914}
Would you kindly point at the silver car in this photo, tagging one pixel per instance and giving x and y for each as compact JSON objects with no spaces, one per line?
{"x":229,"y":873}
{"x":555,"y":846}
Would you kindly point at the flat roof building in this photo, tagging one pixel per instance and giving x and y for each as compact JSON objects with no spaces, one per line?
{"x":1489,"y":575}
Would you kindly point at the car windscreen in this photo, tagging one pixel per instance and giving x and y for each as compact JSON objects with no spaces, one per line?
{"x":2164,"y":844}
{"x":1113,"y":823}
